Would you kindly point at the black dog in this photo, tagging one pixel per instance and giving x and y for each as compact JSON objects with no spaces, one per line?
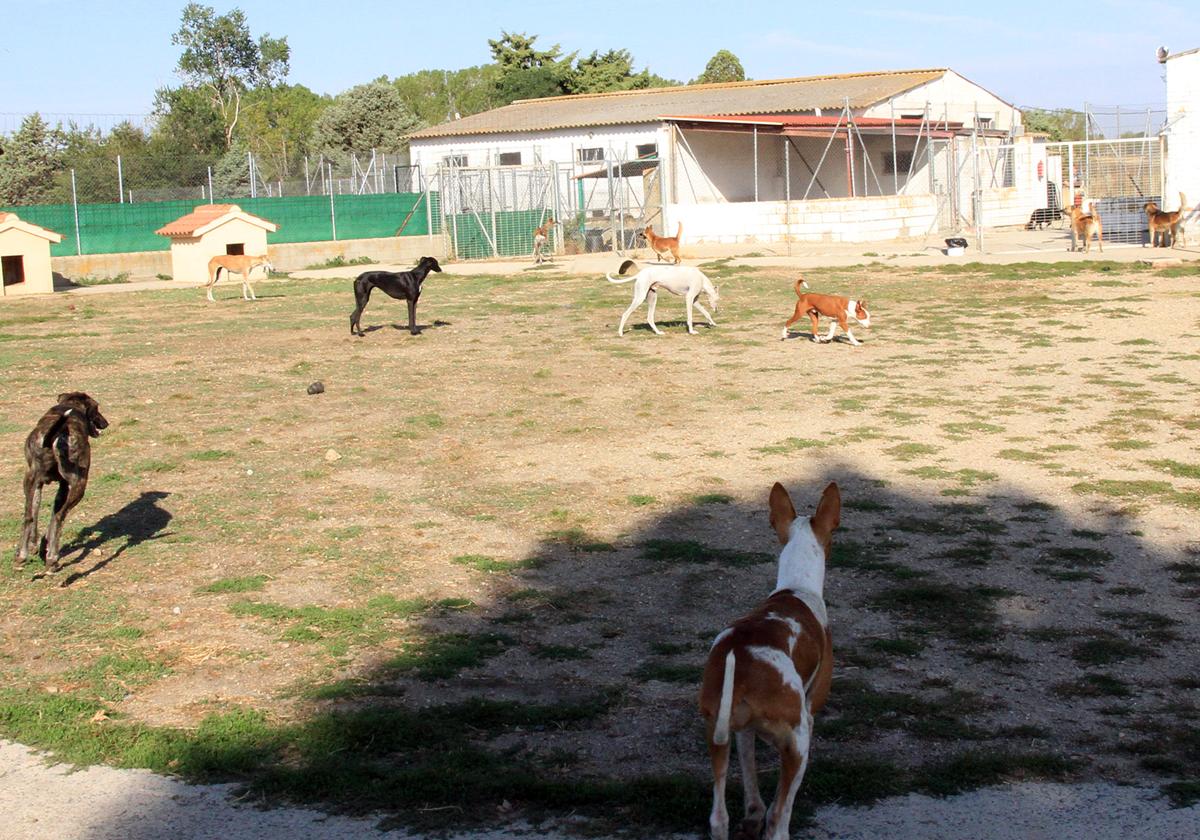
{"x":403,"y":285}
{"x":58,"y":449}
{"x":1043,"y":216}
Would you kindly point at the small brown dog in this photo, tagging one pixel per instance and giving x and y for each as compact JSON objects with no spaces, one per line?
{"x":839,"y":310}
{"x":541,"y":236}
{"x":664,"y":244}
{"x":241,"y":264}
{"x":1083,"y":225}
{"x":1165,"y":226}
{"x":58,"y":449}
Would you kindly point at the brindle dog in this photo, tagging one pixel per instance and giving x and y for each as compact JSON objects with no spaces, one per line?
{"x":58,"y":449}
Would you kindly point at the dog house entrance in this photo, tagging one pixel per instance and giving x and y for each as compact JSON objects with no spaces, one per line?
{"x":14,"y":269}
{"x":235,"y":249}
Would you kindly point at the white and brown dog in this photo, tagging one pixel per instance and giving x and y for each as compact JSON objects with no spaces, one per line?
{"x":769,"y":672}
{"x":840,"y":311}
{"x":541,"y":238}
{"x":684,"y":280}
{"x":241,"y":264}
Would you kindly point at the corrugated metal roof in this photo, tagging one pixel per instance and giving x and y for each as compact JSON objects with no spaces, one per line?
{"x":644,"y":106}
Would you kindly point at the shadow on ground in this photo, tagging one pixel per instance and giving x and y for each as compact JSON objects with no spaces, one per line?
{"x":976,"y":641}
{"x":135,"y":523}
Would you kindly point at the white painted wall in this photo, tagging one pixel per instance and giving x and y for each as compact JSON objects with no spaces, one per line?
{"x":558,"y":146}
{"x":1183,"y":131}
{"x":951,"y":97}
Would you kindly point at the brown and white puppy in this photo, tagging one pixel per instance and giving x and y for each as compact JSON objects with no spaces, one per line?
{"x":1163,"y":226}
{"x":835,"y":307}
{"x":241,"y":264}
{"x":541,"y":236}
{"x":1083,"y":226}
{"x":769,"y":672}
{"x":663,"y":244}
{"x":58,"y":449}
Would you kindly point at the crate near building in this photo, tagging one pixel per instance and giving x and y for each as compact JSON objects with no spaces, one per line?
{"x":213,"y":230}
{"x":25,"y":256}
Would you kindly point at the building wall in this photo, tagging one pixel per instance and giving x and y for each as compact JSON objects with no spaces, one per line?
{"x":36,"y":253}
{"x":558,"y":146}
{"x":951,"y":97}
{"x":1183,"y":131}
{"x":825,"y":220}
{"x":190,"y":256}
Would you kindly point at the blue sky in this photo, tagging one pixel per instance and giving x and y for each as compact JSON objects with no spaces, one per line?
{"x":67,"y":57}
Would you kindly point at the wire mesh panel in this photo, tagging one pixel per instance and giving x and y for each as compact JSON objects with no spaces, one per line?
{"x":1115,"y":178}
{"x":495,"y":211}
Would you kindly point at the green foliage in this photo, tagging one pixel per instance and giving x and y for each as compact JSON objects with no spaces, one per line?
{"x":370,"y":116}
{"x":223,"y":60}
{"x":31,"y":157}
{"x":1059,"y":124}
{"x":435,"y":96}
{"x":724,"y":66}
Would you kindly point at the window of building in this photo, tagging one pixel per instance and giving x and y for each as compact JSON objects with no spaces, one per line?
{"x":509,"y":159}
{"x":455,"y":160}
{"x":983,"y":122}
{"x":647,"y":150}
{"x":591,"y":155}
{"x":901,"y":163}
{"x":912,"y":116}
{"x":236,"y":249}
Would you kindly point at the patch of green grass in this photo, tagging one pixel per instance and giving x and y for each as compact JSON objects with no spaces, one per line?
{"x":561,"y":653}
{"x":1183,"y":794}
{"x":251,"y":583}
{"x":339,"y":262}
{"x":337,"y":627}
{"x":712,"y":499}
{"x":857,"y":711}
{"x":91,"y":280}
{"x":154,"y":466}
{"x":898,"y":646}
{"x":577,"y":539}
{"x":1020,"y":455}
{"x":965,"y":477}
{"x":958,"y":613}
{"x":638,"y":500}
{"x":210,"y":455}
{"x":1094,"y":685}
{"x":113,"y":675}
{"x":689,"y":551}
{"x":792,"y":444}
{"x":1185,"y":572}
{"x":971,"y":428}
{"x":667,"y":672}
{"x":1176,"y":468}
{"x":484,"y":563}
{"x":1106,"y":648}
{"x":909,"y":451}
{"x":444,"y":656}
{"x":849,"y":554}
{"x":1128,"y":443}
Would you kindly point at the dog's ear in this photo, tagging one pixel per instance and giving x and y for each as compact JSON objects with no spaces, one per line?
{"x":783,"y":513}
{"x":627,"y":266}
{"x":62,"y":398}
{"x":829,"y":513}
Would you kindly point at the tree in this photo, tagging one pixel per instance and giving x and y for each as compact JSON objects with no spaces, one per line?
{"x":527,"y":72}
{"x":370,"y":116}
{"x":435,"y":96}
{"x":277,"y":124}
{"x":613,"y":70}
{"x":27,"y":168}
{"x":722,"y":67}
{"x":1060,"y":124}
{"x":221,"y":58}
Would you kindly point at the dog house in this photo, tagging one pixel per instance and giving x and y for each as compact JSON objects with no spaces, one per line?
{"x":25,"y":256}
{"x":212,"y":230}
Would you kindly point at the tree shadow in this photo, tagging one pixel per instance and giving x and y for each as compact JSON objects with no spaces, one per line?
{"x":977,"y":638}
{"x":137,"y":522}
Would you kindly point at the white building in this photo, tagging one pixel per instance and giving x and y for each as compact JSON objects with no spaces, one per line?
{"x":856,"y":157}
{"x":1182,"y":130}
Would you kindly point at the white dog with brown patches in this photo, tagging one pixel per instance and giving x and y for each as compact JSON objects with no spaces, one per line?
{"x":769,"y":672}
{"x":241,"y":264}
{"x":684,"y":280}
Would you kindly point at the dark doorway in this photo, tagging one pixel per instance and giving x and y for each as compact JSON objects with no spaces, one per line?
{"x":14,"y":269}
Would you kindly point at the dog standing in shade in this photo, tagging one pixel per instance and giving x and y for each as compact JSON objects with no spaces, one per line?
{"x":769,"y":672}
{"x":1163,"y":226}
{"x":58,"y":449}
{"x":402,"y":285}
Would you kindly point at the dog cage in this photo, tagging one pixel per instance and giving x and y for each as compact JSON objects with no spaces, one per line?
{"x":616,"y":200}
{"x":493,"y":211}
{"x":1115,"y":178}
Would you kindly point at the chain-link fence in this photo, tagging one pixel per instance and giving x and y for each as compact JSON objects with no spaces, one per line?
{"x":359,"y":197}
{"x":1115,"y":178}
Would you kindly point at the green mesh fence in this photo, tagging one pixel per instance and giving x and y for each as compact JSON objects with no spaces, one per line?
{"x":120,"y":228}
{"x":474,"y":235}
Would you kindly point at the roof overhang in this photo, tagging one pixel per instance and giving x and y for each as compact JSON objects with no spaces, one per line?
{"x":10,"y":221}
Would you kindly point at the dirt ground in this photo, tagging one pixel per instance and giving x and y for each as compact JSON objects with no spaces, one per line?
{"x":517,"y":505}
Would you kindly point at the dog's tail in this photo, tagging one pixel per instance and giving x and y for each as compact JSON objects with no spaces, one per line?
{"x":52,"y":432}
{"x":1183,"y":208}
{"x":678,"y":231}
{"x":725,"y":710}
{"x":799,"y":285}
{"x":612,"y":279}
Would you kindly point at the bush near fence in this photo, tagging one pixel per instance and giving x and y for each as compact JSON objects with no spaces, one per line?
{"x":121,"y":228}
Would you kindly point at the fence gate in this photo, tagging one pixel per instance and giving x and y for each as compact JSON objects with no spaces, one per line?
{"x":1114,"y":178}
{"x":493,"y":211}
{"x":943,"y":183}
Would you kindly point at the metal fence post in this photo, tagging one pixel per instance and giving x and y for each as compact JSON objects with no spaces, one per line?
{"x":210,"y":189}
{"x":332,"y":211}
{"x":754,"y":140}
{"x":120,"y":182}
{"x":787,"y":193}
{"x":75,"y":208}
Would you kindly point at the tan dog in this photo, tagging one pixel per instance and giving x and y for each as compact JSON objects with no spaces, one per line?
{"x":1162,"y":226}
{"x":1083,"y":225}
{"x":769,"y":672}
{"x":835,"y":307}
{"x":664,"y":244}
{"x":541,"y":236}
{"x":241,"y":264}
